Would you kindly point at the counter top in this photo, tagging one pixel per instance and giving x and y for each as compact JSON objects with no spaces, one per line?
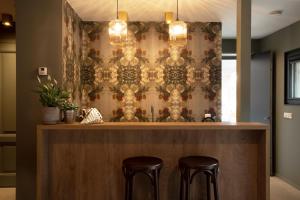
{"x":159,"y":125}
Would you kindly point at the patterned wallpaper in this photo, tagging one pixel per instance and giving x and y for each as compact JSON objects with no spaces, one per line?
{"x":71,"y":50}
{"x":124,"y":83}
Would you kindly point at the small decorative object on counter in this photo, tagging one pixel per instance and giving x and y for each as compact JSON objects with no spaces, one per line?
{"x":93,"y":116}
{"x":51,"y":97}
{"x":208,"y":118}
{"x":69,"y":109}
{"x":81,"y":114}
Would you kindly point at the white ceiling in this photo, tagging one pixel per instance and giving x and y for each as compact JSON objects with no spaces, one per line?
{"x":263,"y":24}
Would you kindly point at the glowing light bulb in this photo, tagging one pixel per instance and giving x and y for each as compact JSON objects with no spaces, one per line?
{"x":6,"y":23}
{"x":177,"y":29}
{"x":117,"y":28}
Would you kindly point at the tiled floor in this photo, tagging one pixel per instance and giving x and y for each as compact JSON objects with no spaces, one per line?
{"x":280,"y":190}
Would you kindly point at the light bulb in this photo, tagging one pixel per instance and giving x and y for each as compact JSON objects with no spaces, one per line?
{"x":6,"y":23}
{"x":178,"y":29}
{"x":117,"y":28}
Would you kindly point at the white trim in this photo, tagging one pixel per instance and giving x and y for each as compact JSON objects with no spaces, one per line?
{"x":229,"y":54}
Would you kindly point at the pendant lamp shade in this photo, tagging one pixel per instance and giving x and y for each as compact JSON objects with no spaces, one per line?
{"x":117,"y":30}
{"x":178,"y":32}
{"x":7,"y":20}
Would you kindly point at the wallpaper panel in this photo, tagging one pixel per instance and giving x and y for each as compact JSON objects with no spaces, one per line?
{"x":146,"y":75}
{"x":71,"y":50}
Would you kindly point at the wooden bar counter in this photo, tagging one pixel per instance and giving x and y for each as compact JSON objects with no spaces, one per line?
{"x":84,"y":162}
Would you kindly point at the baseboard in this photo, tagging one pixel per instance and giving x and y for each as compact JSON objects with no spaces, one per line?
{"x":288,"y":181}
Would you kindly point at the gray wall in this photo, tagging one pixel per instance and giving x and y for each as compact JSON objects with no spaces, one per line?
{"x":39,"y":43}
{"x":288,"y":131}
{"x":229,"y":45}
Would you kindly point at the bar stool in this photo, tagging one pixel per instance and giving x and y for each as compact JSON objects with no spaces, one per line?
{"x":149,"y":166}
{"x":193,"y":165}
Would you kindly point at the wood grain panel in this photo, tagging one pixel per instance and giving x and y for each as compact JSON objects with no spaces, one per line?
{"x":86,"y":163}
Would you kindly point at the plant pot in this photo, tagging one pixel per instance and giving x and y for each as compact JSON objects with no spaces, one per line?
{"x":50,"y":115}
{"x":69,"y":116}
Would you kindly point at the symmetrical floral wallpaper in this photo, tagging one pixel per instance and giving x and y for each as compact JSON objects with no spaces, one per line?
{"x":146,"y":75}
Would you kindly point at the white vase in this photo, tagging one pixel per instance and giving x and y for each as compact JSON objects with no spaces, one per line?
{"x":51,"y":115}
{"x":69,"y":116}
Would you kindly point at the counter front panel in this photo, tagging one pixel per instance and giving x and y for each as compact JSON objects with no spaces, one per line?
{"x":85,"y":162}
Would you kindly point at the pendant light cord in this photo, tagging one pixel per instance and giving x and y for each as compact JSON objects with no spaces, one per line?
{"x":117,"y":9}
{"x":177,"y":11}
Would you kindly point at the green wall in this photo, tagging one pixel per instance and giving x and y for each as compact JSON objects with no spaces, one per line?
{"x":39,"y":43}
{"x":288,"y":131}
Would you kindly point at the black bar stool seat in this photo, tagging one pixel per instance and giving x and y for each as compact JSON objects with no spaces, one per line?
{"x":143,"y":163}
{"x":147,"y":165}
{"x":199,"y":162}
{"x":190,"y":166}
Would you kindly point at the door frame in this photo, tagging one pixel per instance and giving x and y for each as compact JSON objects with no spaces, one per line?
{"x":273,"y":127}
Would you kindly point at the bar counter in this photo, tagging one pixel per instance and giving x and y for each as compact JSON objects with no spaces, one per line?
{"x":85,"y":161}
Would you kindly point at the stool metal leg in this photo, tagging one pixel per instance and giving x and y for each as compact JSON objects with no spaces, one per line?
{"x":215,"y":184}
{"x":128,"y":184}
{"x":181,"y":184}
{"x":156,"y":184}
{"x":208,"y":186}
{"x":187,"y":184}
{"x":130,"y":187}
{"x":126,"y":188}
{"x":125,"y":173}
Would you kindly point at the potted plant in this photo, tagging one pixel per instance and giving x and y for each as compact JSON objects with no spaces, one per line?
{"x":51,"y":97}
{"x":69,"y":109}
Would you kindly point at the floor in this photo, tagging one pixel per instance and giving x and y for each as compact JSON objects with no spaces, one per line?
{"x":7,"y":193}
{"x":280,"y":190}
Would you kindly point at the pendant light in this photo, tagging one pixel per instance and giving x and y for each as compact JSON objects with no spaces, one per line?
{"x":117,"y":30}
{"x":178,"y":32}
{"x":7,"y":20}
{"x":169,"y":17}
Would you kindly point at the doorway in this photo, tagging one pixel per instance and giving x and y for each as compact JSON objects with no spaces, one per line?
{"x":262,"y":96}
{"x":7,"y":115}
{"x":262,"y":102}
{"x":8,"y":91}
{"x":229,"y":92}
